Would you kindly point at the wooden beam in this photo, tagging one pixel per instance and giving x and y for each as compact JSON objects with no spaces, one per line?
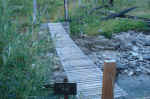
{"x":121,"y":13}
{"x":66,"y":10}
{"x":109,"y":75}
{"x":94,"y":9}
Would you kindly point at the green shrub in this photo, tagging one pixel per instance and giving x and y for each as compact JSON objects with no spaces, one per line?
{"x":121,"y":25}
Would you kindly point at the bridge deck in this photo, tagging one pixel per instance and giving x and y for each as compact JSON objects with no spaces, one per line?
{"x":78,"y":67}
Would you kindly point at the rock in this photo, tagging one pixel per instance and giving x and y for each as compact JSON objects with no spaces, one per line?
{"x":121,"y":65}
{"x":56,"y":67}
{"x":145,"y":69}
{"x":126,"y":71}
{"x":100,"y":30}
{"x":101,"y":37}
{"x":141,"y":58}
{"x":138,"y":70}
{"x":146,"y":57}
{"x":147,"y":43}
{"x":101,"y":41}
{"x":125,"y":46}
{"x":135,"y":54}
{"x":135,"y":48}
{"x":44,"y":26}
{"x":132,"y":50}
{"x":33,"y":65}
{"x":145,"y":40}
{"x":125,"y":40}
{"x":131,"y":73}
{"x":133,"y":64}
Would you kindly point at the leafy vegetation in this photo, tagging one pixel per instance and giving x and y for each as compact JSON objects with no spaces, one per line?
{"x":91,"y":24}
{"x":118,"y":25}
{"x":20,"y":55}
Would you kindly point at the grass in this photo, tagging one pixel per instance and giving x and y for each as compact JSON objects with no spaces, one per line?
{"x":22,"y":68}
{"x":25,"y":60}
{"x":118,"y":25}
{"x":91,"y":24}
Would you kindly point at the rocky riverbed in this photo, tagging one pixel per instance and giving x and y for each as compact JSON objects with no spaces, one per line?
{"x":131,"y":50}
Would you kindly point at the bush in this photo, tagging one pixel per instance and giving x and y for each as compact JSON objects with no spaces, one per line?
{"x":121,"y":25}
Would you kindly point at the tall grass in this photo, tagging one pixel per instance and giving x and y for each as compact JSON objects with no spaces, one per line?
{"x":18,"y":51}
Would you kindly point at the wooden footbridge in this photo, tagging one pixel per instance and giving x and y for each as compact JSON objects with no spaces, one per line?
{"x":78,"y":67}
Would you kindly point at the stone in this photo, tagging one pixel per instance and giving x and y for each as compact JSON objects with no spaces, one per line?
{"x":101,"y":42}
{"x":138,"y":70}
{"x":33,"y":65}
{"x":100,"y":30}
{"x":146,"y":57}
{"x":131,"y":73}
{"x":126,"y":46}
{"x":145,"y":69}
{"x":135,"y":54}
{"x":132,"y":50}
{"x":145,"y":40}
{"x":140,"y":58}
{"x":121,"y":65}
{"x":56,"y":67}
{"x":147,"y":43}
{"x":135,"y":48}
{"x":125,"y":40}
{"x":126,"y":71}
{"x":44,"y":26}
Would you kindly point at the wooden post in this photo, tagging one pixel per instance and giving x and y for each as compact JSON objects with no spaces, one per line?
{"x":66,"y":96}
{"x":108,"y":79}
{"x":111,"y":2}
{"x":103,"y":2}
{"x":66,"y":10}
{"x":79,"y":2}
{"x":74,"y":4}
{"x":34,"y":11}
